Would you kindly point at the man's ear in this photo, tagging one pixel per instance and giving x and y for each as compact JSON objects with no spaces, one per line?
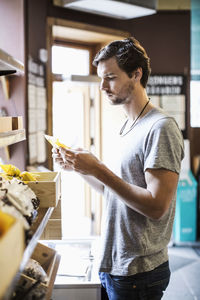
{"x":138,"y":74}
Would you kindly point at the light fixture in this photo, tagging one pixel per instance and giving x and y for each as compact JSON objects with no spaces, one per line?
{"x":126,"y":9}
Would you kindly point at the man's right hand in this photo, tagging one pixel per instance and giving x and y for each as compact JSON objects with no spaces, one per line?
{"x":60,"y":160}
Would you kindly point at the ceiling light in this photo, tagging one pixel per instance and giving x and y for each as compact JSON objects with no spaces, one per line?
{"x":111,"y":8}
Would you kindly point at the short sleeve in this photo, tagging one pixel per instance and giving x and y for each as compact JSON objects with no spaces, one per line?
{"x":164,"y":147}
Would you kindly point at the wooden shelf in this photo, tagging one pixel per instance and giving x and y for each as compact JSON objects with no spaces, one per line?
{"x":37,"y":229}
{"x":10,"y":65}
{"x":12,"y":137}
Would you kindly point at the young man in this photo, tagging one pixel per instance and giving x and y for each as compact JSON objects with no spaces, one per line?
{"x":140,"y":192}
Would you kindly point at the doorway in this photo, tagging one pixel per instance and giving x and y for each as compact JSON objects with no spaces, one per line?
{"x":81,"y":106}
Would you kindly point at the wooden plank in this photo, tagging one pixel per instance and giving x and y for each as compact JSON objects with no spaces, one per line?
{"x":53,"y":230}
{"x":12,"y":137}
{"x":5,"y":124}
{"x":8,"y":62}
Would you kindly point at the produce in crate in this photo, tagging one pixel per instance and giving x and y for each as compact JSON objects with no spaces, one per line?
{"x":19,"y":201}
{"x":34,"y":280}
{"x":34,"y":270}
{"x":46,"y":185}
{"x":39,"y":273}
{"x":13,"y":172}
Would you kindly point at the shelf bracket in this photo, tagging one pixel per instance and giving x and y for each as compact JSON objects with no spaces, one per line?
{"x":5,"y":86}
{"x":7,"y":152}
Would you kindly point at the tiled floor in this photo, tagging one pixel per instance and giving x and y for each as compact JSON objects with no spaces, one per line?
{"x":185,"y":277}
{"x":184,"y":265}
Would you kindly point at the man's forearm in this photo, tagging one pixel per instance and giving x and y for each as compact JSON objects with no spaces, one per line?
{"x":133,"y":196}
{"x":152,"y":201}
{"x":94,"y":183}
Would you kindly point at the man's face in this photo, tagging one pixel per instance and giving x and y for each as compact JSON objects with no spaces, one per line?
{"x":115,"y":82}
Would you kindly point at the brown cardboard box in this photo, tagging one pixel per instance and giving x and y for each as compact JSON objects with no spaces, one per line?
{"x":11,"y":253}
{"x":5,"y":124}
{"x":17,"y":123}
{"x":47,"y":188}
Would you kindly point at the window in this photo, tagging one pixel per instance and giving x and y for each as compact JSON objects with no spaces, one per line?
{"x":67,"y":61}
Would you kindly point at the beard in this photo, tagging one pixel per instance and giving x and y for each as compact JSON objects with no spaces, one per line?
{"x":122,"y":97}
{"x":117,"y":100}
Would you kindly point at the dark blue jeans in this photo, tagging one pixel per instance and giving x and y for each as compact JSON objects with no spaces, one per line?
{"x":142,"y":286}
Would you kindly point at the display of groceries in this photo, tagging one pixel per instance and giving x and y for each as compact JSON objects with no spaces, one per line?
{"x":19,"y":202}
{"x":16,"y":198}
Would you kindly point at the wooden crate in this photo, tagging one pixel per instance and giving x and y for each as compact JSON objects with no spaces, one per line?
{"x":47,"y":188}
{"x":53,"y":230}
{"x":49,"y":260}
{"x":11,"y":253}
{"x":5,"y":124}
{"x":57,"y":215}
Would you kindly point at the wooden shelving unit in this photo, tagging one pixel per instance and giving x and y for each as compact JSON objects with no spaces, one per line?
{"x":37,"y":229}
{"x":12,"y":137}
{"x":6,"y":139}
{"x":10,"y":65}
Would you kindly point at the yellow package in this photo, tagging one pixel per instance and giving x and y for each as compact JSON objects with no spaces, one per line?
{"x":12,"y":171}
{"x":55,"y":142}
{"x":6,"y":221}
{"x":28,"y":176}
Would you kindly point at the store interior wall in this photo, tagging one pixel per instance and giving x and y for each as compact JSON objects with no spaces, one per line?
{"x":165,"y":35}
{"x":12,"y":41}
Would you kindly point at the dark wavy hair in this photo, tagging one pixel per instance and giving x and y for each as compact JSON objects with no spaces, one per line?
{"x":130,"y":56}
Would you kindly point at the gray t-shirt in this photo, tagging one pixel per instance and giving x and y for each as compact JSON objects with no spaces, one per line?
{"x":131,"y":242}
